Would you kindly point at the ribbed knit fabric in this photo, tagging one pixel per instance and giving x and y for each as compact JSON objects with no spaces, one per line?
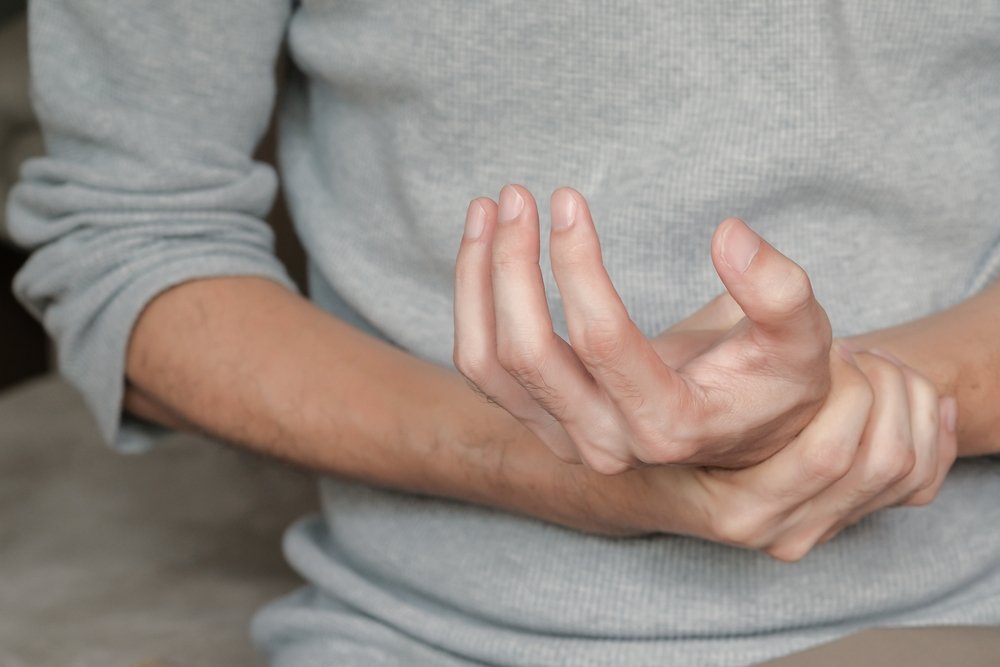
{"x":862,"y":139}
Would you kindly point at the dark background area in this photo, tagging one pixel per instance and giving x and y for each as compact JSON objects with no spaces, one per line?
{"x":11,"y":8}
{"x":24,"y":348}
{"x":159,"y":559}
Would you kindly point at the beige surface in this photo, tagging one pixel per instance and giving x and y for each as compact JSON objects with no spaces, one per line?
{"x":109,"y":560}
{"x":918,"y":647}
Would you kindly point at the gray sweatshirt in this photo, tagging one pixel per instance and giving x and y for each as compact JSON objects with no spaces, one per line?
{"x":862,"y":139}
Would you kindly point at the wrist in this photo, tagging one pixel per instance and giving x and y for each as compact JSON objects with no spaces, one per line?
{"x":644,"y":501}
{"x":506,"y":466}
{"x":952,"y":353}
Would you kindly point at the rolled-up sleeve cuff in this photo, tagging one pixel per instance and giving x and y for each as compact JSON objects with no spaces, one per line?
{"x":96,"y":367}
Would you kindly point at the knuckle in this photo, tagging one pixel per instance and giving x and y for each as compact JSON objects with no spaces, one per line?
{"x":602,"y":462}
{"x":927,"y":420}
{"x":631,"y":398}
{"x":601,"y":343}
{"x":473,"y":365}
{"x":794,"y":292}
{"x":895,"y":461}
{"x":789,"y":551}
{"x":921,"y":385}
{"x":519,"y":357}
{"x":925,"y":400}
{"x":924,"y":480}
{"x":882,"y":374}
{"x":828,"y":461}
{"x":505,"y":257}
{"x":860,"y":390}
{"x":924,"y":494}
{"x":738,"y":525}
{"x":525,"y":362}
{"x":922,"y":498}
{"x":728,"y":530}
{"x":653,"y":448}
{"x":646,"y":438}
{"x":906,"y":462}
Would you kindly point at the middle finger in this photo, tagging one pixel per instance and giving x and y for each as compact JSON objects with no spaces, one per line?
{"x":528,"y":347}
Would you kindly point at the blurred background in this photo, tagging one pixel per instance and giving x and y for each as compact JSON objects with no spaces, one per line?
{"x":108,"y":560}
{"x":24,"y":351}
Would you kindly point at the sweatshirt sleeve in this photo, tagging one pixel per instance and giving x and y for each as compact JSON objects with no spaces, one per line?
{"x":150,"y":111}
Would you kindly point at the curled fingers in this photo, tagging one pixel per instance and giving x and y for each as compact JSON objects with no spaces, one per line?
{"x":475,"y":347}
{"x":530,"y":351}
{"x":650,"y":396}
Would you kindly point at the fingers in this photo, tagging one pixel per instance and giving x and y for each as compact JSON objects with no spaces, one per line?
{"x":882,"y":438}
{"x":755,"y":507}
{"x":883,"y":458}
{"x":929,"y":442}
{"x":898,"y":459}
{"x":618,"y":356}
{"x":475,"y":338}
{"x":887,"y":454}
{"x":506,"y":346}
{"x":826,"y":448}
{"x":947,"y":451}
{"x":773,"y":291}
{"x":925,"y":426}
{"x":528,"y":348}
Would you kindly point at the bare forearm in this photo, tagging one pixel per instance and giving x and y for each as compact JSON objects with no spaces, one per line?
{"x":247,"y":361}
{"x":959,"y":349}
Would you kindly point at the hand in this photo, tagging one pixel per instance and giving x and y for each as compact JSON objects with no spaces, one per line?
{"x":608,"y":399}
{"x":883,"y":437}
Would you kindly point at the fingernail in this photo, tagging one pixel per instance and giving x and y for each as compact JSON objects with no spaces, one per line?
{"x":475,"y":221}
{"x":950,"y":413}
{"x":563,"y":209}
{"x":511,"y":204}
{"x":739,"y":246}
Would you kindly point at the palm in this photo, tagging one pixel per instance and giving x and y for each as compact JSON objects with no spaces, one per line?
{"x":717,"y":352}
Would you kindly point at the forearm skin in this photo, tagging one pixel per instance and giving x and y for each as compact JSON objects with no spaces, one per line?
{"x":959,"y":350}
{"x":246,"y":361}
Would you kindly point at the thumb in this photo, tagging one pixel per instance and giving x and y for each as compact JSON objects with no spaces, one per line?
{"x":774,"y":292}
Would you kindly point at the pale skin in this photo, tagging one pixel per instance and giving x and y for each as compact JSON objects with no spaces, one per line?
{"x":749,"y":375}
{"x":247,"y":361}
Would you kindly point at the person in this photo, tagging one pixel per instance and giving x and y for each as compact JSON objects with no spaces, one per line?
{"x":660,"y":475}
